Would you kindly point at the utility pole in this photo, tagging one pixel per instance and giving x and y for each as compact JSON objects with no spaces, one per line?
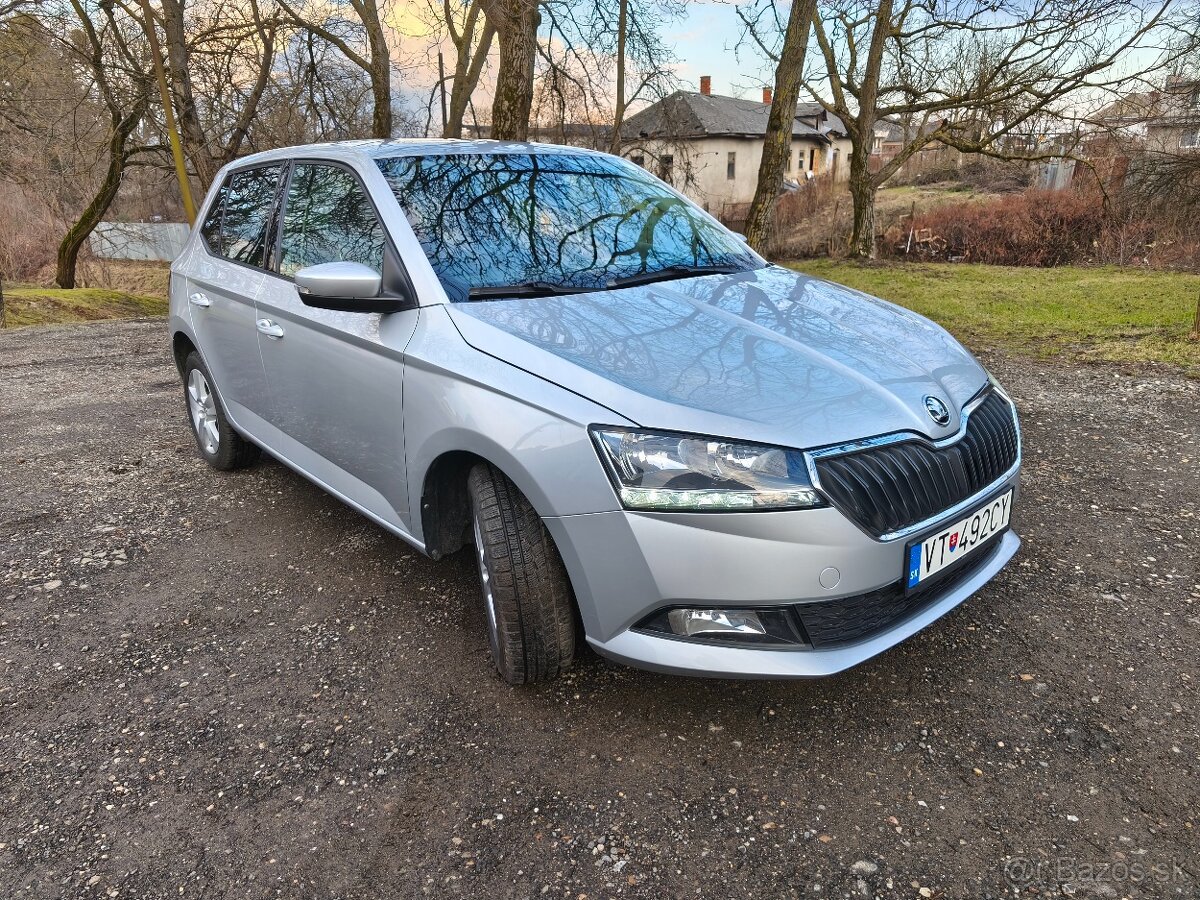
{"x":185,"y":190}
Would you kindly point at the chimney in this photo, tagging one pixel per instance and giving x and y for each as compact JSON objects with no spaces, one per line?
{"x":766,"y":95}
{"x":706,"y":85}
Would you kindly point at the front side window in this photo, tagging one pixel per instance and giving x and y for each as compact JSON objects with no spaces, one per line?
{"x":328,"y":218}
{"x":574,"y":220}
{"x":236,"y":226}
{"x":731,"y":166}
{"x":1190,"y":139}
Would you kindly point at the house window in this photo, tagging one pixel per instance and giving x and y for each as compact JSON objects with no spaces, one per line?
{"x":787,"y":163}
{"x":812,"y":158}
{"x":638,"y":160}
{"x":1190,"y":139}
{"x":731,"y":166}
{"x":666,"y":167}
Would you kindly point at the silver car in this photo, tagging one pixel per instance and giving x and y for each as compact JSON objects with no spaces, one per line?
{"x":649,"y":436}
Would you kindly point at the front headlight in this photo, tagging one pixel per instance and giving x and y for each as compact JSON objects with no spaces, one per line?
{"x":684,"y":472}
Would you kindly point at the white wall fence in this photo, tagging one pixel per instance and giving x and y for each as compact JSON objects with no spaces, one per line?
{"x":139,"y":240}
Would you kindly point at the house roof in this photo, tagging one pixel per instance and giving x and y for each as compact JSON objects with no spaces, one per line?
{"x":687,"y":114}
{"x":1179,"y":98}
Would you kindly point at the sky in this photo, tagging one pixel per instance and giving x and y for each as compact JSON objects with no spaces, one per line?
{"x":705,"y":42}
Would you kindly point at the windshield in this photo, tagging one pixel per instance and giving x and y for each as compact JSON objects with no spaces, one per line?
{"x":552,"y":220}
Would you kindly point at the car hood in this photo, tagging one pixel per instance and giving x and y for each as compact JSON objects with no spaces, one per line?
{"x":767,"y":355}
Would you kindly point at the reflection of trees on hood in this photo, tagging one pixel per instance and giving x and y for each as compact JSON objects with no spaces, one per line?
{"x":742,"y":339}
{"x":575,"y":220}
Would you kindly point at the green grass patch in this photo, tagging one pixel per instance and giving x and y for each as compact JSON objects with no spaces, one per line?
{"x":1114,"y":314}
{"x":26,"y":304}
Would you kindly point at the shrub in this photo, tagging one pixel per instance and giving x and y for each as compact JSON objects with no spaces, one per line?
{"x":1034,"y":228}
{"x":29,"y":233}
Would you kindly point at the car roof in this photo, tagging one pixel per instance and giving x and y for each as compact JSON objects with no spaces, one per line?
{"x":382,"y":149}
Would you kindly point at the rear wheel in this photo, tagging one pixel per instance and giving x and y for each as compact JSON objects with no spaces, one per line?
{"x":221,"y":446}
{"x":526,"y":592}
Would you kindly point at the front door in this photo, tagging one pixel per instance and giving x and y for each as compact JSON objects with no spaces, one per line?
{"x":336,"y":379}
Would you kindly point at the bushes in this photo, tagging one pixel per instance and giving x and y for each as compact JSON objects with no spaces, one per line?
{"x":1035,"y":228}
{"x":29,"y":233}
{"x":1048,"y":228}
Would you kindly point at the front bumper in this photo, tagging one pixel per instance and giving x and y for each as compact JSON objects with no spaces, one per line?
{"x":626,"y":565}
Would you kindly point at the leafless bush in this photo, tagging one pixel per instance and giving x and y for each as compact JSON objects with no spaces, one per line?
{"x":1052,"y":228}
{"x":29,"y":233}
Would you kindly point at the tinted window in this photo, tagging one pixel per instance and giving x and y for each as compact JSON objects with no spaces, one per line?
{"x":577,"y":220}
{"x":328,"y":218}
{"x":236,"y":226}
{"x":211,"y":229}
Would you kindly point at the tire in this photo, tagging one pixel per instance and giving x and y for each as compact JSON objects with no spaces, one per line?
{"x":219,"y":445}
{"x":526,"y":593}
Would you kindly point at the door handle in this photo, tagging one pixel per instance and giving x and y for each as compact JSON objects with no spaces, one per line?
{"x":199,"y":299}
{"x":270,"y":329}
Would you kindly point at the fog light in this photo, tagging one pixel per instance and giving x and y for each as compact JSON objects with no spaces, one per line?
{"x":763,"y":626}
{"x":715,"y":622}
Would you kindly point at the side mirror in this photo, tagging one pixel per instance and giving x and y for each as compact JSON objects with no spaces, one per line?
{"x":343,"y":286}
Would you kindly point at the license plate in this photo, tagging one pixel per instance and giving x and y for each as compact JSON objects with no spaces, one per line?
{"x":940,"y":551}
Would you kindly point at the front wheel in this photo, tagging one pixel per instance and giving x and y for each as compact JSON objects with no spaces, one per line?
{"x":526,"y":592}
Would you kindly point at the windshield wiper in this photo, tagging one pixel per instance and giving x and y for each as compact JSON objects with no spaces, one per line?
{"x":671,"y":272}
{"x":524,"y":289}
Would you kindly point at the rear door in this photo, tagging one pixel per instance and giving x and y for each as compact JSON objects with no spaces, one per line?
{"x":222,"y":283}
{"x":336,"y":379}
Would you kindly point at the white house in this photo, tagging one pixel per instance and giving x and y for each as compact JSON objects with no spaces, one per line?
{"x":710,"y":146}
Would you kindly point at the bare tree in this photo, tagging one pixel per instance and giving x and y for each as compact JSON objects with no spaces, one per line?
{"x":965,"y":73}
{"x":619,"y":106}
{"x":314,"y":94}
{"x":360,"y":37}
{"x":516,"y":24}
{"x":125,"y":113}
{"x":601,"y":57}
{"x":472,"y":41}
{"x":222,"y":53}
{"x":777,"y":145}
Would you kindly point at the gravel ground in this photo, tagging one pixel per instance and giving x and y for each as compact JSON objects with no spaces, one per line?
{"x":233,"y":686}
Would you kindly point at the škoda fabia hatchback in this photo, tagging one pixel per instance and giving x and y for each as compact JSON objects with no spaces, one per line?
{"x":648,"y":436}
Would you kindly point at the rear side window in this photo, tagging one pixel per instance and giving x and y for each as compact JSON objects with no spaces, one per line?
{"x":237,"y":225}
{"x":328,"y":218}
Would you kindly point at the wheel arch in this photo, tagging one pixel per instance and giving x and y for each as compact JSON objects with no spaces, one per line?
{"x":445,"y":506}
{"x":181,"y":347}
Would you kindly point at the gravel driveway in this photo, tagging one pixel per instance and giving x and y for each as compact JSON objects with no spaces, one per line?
{"x":232,"y":686}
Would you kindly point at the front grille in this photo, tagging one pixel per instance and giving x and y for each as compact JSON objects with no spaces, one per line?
{"x":888,"y":488}
{"x":829,"y":623}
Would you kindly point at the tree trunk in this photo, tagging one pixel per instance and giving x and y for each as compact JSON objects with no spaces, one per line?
{"x":381,"y":72}
{"x":381,"y":96}
{"x":614,"y":146}
{"x":72,"y":242}
{"x":516,"y":23}
{"x":466,"y":78}
{"x":190,"y":128}
{"x":862,"y":191}
{"x":778,"y":143}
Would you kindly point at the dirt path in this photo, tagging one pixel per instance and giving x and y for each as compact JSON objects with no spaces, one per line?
{"x":232,"y":686}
